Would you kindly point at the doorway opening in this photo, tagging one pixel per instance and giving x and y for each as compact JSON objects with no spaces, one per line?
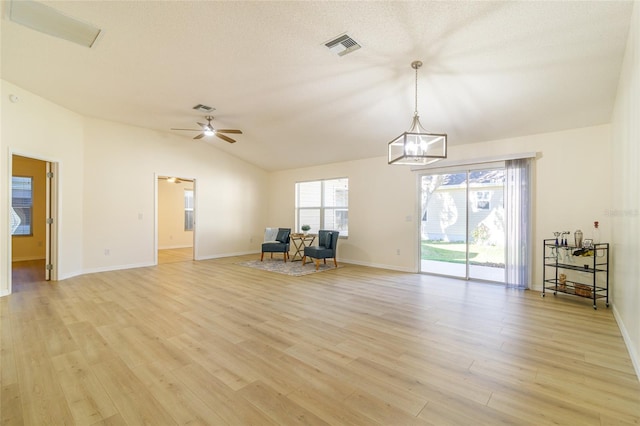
{"x":33,"y":201}
{"x":175,"y":225}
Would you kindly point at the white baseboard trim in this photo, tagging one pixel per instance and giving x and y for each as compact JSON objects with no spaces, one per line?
{"x":139,"y":265}
{"x":218,"y":256}
{"x":378,"y":265}
{"x":633,"y":352}
{"x":117,"y":268}
{"x":70,"y":275}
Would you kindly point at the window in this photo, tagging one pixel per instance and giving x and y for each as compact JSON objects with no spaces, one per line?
{"x":21,"y":205}
{"x":483,"y":199}
{"x":188,"y":209}
{"x":323,"y":204}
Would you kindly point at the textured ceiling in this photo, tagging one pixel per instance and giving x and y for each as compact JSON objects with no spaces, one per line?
{"x":491,"y":70}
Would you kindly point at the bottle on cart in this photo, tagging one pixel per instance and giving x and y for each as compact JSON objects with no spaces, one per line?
{"x":578,"y":238}
{"x":596,"y":233}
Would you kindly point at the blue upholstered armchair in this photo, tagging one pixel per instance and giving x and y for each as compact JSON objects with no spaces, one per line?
{"x":326,"y":248}
{"x":279,"y":245}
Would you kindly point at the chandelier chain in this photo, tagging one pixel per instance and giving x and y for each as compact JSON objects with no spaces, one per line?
{"x":415,"y":65}
{"x":416,"y":100}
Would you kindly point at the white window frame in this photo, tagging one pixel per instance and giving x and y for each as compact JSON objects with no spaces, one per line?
{"x":483,"y":197}
{"x":323,"y":208}
{"x":188,"y":209}
{"x":29,"y":208}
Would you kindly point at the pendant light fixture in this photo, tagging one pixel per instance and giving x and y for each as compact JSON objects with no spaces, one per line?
{"x":416,"y":146}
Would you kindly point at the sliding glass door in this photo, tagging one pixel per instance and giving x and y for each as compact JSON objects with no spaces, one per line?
{"x":463,"y":224}
{"x":443,"y":229}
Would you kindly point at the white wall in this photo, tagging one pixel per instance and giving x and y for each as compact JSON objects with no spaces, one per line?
{"x":572,"y":181}
{"x":171,"y":233}
{"x":37,"y":128}
{"x":625,"y":213}
{"x":382,"y":217}
{"x":572,"y":189}
{"x":114,"y":211}
{"x":122,"y":164}
{"x":107,"y":178}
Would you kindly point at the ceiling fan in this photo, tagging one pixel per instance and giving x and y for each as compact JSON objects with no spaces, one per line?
{"x":208,"y":130}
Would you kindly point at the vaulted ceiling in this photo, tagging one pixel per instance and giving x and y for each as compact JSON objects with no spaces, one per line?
{"x":491,"y":70}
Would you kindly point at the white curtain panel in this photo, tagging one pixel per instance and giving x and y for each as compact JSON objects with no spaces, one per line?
{"x":518,"y":211}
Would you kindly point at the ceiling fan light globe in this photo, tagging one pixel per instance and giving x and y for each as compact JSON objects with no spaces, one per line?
{"x":209,"y":132}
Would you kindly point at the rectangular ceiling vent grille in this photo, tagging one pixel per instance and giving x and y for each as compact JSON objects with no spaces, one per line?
{"x":342,"y":45}
{"x":203,"y":108}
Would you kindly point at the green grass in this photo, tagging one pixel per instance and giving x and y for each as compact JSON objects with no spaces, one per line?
{"x":455,"y":253}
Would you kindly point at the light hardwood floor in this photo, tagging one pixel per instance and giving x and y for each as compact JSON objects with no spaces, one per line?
{"x":213,"y":342}
{"x":175,"y":255}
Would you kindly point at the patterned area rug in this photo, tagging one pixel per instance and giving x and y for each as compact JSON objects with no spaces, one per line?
{"x":295,"y":269}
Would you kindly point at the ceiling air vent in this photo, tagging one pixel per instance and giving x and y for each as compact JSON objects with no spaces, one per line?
{"x":203,"y":108}
{"x":342,"y":45}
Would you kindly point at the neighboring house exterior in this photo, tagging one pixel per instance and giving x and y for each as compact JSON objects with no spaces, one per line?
{"x":444,"y":218}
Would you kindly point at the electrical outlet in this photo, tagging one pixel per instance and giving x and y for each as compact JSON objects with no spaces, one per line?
{"x":398,"y":252}
{"x":107,"y":252}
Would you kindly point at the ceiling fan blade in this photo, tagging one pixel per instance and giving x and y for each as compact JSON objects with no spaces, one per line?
{"x":200,"y":136}
{"x":229,"y":131}
{"x":204,"y":126}
{"x":225,"y":138}
{"x":191,"y":130}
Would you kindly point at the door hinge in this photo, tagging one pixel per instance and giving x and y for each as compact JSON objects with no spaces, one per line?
{"x":49,"y":267}
{"x":50,"y":175}
{"x":49,"y":220}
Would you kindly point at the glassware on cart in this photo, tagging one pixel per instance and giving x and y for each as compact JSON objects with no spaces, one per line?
{"x":568,"y":256}
{"x":578,"y":238}
{"x":567,"y":250}
{"x":555,"y":250}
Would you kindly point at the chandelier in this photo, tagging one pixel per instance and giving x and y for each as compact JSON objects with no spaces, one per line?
{"x":416,"y":146}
